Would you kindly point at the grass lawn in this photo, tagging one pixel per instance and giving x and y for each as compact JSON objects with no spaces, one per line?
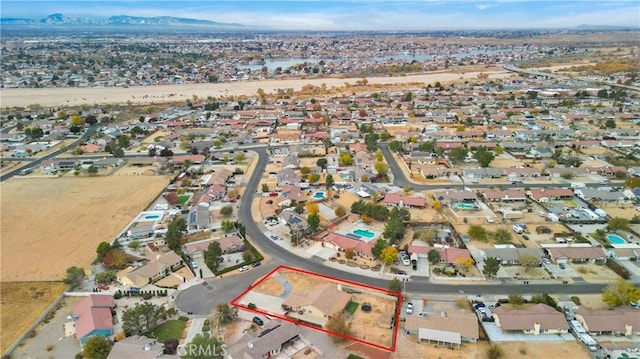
{"x":183,"y":199}
{"x":351,"y":308}
{"x":171,"y":329}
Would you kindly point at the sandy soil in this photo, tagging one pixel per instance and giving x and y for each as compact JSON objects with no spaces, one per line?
{"x":172,"y":93}
{"x":595,"y":273}
{"x":269,"y":286}
{"x":49,"y":225}
{"x":22,"y":303}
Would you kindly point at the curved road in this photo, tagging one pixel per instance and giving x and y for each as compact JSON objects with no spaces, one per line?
{"x":201,"y":300}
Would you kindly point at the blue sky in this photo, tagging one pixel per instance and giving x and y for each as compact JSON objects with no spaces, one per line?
{"x":358,"y":14}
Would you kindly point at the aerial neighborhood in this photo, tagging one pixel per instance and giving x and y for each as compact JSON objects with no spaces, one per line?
{"x":494,"y":211}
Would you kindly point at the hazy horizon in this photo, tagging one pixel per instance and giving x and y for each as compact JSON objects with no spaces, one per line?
{"x":355,"y":15}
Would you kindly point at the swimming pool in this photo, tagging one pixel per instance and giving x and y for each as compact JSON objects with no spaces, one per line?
{"x":344,"y":176}
{"x":465,"y":206}
{"x":319,"y":195}
{"x":153,"y":216}
{"x":364,"y":233}
{"x":615,"y":239}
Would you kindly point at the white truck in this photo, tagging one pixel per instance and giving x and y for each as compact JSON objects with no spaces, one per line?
{"x":575,"y":185}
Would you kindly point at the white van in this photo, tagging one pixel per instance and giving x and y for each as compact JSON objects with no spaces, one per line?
{"x":489,"y":219}
{"x":517,"y":229}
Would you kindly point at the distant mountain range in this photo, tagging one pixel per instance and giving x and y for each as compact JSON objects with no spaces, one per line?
{"x":121,"y":20}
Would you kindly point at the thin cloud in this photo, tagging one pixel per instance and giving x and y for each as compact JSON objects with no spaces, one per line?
{"x":483,"y":6}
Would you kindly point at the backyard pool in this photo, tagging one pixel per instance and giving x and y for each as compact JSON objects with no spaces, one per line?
{"x":615,"y":239}
{"x":153,"y":216}
{"x":319,"y":195}
{"x":465,"y":206}
{"x":364,"y":233}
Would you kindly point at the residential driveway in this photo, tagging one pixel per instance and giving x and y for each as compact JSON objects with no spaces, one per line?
{"x":556,"y":271}
{"x":268,"y":303}
{"x":422,"y":269}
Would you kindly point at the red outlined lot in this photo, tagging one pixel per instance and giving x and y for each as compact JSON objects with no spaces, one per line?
{"x":394,"y":330}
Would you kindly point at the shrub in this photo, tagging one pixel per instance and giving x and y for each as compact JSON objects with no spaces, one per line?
{"x":117,"y":294}
{"x":206,"y":328}
{"x":495,"y":352}
{"x":251,"y":306}
{"x":207,"y":322}
{"x":171,"y":312}
{"x":575,"y":300}
{"x":49,"y":348}
{"x":146,"y":295}
{"x":183,"y":318}
{"x":620,"y":270}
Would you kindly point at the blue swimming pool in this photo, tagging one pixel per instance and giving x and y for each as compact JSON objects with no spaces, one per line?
{"x":364,"y":233}
{"x":153,"y":216}
{"x":615,"y":239}
{"x":319,"y":195}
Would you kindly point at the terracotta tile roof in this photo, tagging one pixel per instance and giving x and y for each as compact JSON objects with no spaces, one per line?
{"x":326,"y":298}
{"x":394,"y":198}
{"x":93,"y":312}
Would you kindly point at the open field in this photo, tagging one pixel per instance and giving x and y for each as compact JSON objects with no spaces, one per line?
{"x":171,"y":93}
{"x":49,"y":225}
{"x":21,"y":303}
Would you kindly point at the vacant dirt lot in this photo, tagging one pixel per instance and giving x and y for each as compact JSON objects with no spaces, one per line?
{"x":21,"y":303}
{"x":49,"y":225}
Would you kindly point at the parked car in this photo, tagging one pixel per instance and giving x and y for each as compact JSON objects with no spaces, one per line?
{"x":255,"y":264}
{"x":194,"y":265}
{"x":541,"y":214}
{"x":244,"y":268}
{"x":525,"y":237}
{"x":103,"y":287}
{"x":561,"y":265}
{"x":490,"y":219}
{"x":410,"y":308}
{"x":258,"y":321}
{"x":401,"y":272}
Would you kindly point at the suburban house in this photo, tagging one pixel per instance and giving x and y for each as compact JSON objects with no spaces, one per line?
{"x":342,"y":243}
{"x":536,"y":320}
{"x":511,"y":256}
{"x":588,"y":194}
{"x":455,"y":196}
{"x":448,"y":255}
{"x":461,"y":327}
{"x":509,"y":195}
{"x":482,"y":172}
{"x":275,"y":337}
{"x":616,"y":321}
{"x":397,"y":200}
{"x":228,"y":244}
{"x":154,"y":270}
{"x":316,"y":305}
{"x":199,"y":216}
{"x":577,"y":254}
{"x":294,"y":220}
{"x":139,"y":347}
{"x":547,"y":194}
{"x":287,"y":176}
{"x":93,"y":316}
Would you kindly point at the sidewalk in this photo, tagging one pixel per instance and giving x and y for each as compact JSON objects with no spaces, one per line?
{"x":194,"y":329}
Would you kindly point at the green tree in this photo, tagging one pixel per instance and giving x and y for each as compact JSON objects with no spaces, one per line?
{"x":124,"y":141}
{"x":345,"y":159}
{"x":484,"y":156}
{"x":265,"y":188}
{"x":74,"y":277}
{"x":227,"y":226}
{"x":458,"y":155}
{"x":226,"y":211}
{"x":395,"y":285}
{"x":313,"y":178}
{"x":477,"y":232}
{"x":142,"y":317}
{"x":174,"y":233}
{"x":213,"y":256}
{"x":378,"y":247}
{"x":118,"y":152}
{"x":395,"y":146}
{"x":240,"y":157}
{"x":329,"y":181}
{"x":618,"y":224}
{"x":102,"y":250}
{"x":433,"y":256}
{"x":225,"y":314}
{"x":322,"y":163}
{"x":620,"y":293}
{"x":381,"y":168}
{"x":203,"y":347}
{"x":96,"y":347}
{"x":502,"y":236}
{"x":305,"y":170}
{"x":389,"y":255}
{"x":105,"y":277}
{"x":340,"y":211}
{"x":394,"y":230}
{"x":92,"y":170}
{"x":134,"y":244}
{"x":491,"y":267}
{"x":313,"y":220}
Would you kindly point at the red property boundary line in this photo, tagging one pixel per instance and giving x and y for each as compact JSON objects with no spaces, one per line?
{"x":396,"y":321}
